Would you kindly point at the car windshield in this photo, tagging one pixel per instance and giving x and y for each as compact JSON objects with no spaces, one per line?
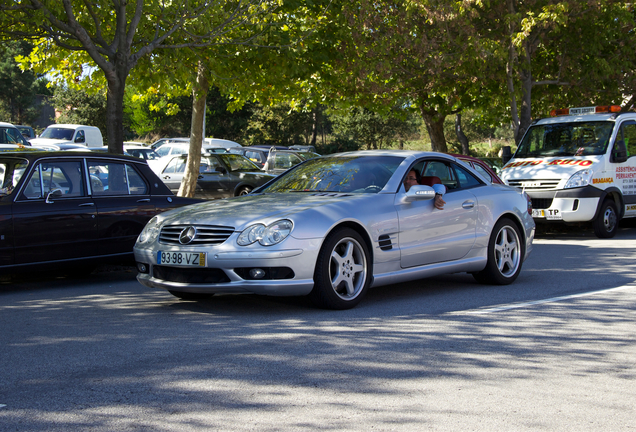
{"x":11,"y":171}
{"x":566,"y":139}
{"x":57,"y":133}
{"x":238,"y":162}
{"x":9,"y":135}
{"x":357,"y":174}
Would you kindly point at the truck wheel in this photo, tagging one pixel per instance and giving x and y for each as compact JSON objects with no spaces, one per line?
{"x":505,"y":255}
{"x":606,"y":224}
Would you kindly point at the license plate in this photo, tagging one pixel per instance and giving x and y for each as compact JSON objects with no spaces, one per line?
{"x":191,"y":259}
{"x":537,"y":213}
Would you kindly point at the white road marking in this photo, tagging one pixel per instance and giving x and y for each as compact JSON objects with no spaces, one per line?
{"x":543,"y":301}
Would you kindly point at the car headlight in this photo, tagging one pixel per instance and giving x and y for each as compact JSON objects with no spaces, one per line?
{"x":150,"y":231}
{"x":265,"y":235}
{"x":579,"y":179}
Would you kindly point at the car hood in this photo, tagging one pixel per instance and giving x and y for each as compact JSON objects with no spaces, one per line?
{"x":239,"y":212}
{"x":546,"y":168}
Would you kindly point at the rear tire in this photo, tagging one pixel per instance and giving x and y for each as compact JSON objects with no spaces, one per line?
{"x":343,"y":271}
{"x":190,"y":296}
{"x":505,"y":255}
{"x":606,"y":224}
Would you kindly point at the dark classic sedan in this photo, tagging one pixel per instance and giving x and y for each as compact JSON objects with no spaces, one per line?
{"x":220,"y":175}
{"x":65,"y":207}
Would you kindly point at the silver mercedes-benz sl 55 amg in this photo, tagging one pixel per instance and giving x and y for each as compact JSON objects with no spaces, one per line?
{"x":334,"y":226}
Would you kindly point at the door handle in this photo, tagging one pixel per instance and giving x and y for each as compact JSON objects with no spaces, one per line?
{"x":143,"y":200}
{"x":89,"y":204}
{"x":200,"y":177}
{"x":468,"y":204}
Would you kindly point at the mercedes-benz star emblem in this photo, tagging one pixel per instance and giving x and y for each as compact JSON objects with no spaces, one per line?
{"x":187,"y":235}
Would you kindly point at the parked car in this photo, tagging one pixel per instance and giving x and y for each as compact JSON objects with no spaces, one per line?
{"x":303,"y":148}
{"x":140,"y":151}
{"x":220,"y":175}
{"x":334,"y":226}
{"x":63,"y":147}
{"x":178,"y":148}
{"x":75,"y":208}
{"x":9,"y":134}
{"x":211,"y":142}
{"x":307,"y":154}
{"x":89,"y":136}
{"x":481,"y":167}
{"x":276,"y":162}
{"x":26,"y":131}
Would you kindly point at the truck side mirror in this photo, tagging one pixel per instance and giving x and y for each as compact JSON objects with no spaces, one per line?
{"x":619,"y":152}
{"x":506,"y":154}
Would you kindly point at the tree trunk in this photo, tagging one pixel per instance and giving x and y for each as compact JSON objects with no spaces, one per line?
{"x":199,"y":95}
{"x":461,"y":136}
{"x":314,"y":127}
{"x":115,"y":110}
{"x":525,"y":113}
{"x":510,"y":67}
{"x":435,"y":128}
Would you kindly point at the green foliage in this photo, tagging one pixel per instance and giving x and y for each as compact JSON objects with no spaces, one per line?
{"x":279,"y":125}
{"x":17,"y":88}
{"x":373,"y":130}
{"x":80,"y":107}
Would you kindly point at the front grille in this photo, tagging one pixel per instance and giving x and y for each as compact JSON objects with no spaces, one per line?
{"x":541,"y":203}
{"x":189,"y":275}
{"x":534,"y":184}
{"x":207,"y":235}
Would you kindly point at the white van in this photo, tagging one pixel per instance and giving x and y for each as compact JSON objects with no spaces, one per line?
{"x":90,"y":136}
{"x":578,"y":166}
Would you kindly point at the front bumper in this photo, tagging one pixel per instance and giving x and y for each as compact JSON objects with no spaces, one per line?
{"x":287,"y":272}
{"x":569,"y":205}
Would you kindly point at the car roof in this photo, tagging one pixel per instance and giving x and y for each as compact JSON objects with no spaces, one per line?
{"x":35,"y":154}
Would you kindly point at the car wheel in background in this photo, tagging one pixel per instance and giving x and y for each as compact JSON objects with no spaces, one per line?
{"x":505,"y":255}
{"x":606,"y":224}
{"x":244,"y":191}
{"x":343,"y":270}
{"x":190,"y":296}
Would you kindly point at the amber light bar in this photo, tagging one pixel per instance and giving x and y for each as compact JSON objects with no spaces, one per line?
{"x":601,"y":109}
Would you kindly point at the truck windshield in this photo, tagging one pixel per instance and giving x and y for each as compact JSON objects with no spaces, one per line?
{"x":566,"y":139}
{"x":57,"y":133}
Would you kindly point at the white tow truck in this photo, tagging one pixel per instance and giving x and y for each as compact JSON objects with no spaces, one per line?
{"x":578,"y":166}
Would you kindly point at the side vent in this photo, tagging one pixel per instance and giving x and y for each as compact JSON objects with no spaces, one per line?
{"x":385,"y":242}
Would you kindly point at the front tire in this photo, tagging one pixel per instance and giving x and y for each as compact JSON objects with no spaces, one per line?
{"x":606,"y":224}
{"x":505,"y":255}
{"x":343,"y":271}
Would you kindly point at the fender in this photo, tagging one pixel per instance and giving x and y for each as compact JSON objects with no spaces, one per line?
{"x":611,"y":192}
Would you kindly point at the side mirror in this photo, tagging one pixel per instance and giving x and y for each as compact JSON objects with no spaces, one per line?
{"x":53,"y":193}
{"x":619,"y":152}
{"x":419,"y":192}
{"x":221,"y":170}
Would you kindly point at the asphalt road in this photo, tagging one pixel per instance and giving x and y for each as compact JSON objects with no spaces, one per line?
{"x":555,"y":351}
